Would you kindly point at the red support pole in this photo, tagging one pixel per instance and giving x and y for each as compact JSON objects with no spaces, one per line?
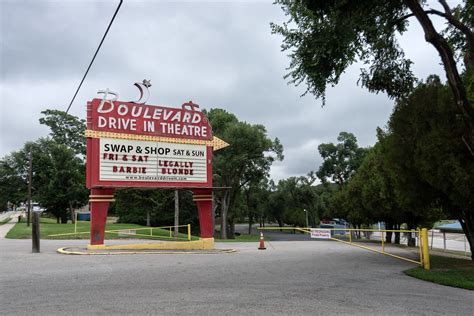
{"x":203,"y":199}
{"x":99,"y":203}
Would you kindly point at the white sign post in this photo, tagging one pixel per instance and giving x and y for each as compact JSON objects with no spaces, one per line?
{"x":320,"y":233}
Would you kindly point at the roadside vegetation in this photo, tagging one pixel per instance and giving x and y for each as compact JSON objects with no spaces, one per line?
{"x":447,"y":271}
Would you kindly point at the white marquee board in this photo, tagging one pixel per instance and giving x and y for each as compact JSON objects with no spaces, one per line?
{"x":132,"y":160}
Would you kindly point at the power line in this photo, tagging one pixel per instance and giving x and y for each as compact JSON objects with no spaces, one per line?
{"x":93,"y":58}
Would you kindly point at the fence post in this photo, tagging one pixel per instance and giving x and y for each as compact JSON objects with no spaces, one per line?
{"x":426,"y":254}
{"x":189,"y":231}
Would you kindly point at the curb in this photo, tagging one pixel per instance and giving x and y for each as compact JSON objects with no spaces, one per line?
{"x":65,"y":251}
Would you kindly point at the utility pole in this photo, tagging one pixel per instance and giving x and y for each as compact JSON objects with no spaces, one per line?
{"x":176,"y":213}
{"x":29,"y":190}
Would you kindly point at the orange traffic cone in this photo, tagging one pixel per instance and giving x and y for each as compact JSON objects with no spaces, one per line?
{"x":262,"y":243}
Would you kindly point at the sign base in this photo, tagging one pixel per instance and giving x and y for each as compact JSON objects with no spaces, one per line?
{"x":201,"y":244}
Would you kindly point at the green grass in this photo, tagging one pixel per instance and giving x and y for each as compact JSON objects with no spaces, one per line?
{"x":5,"y":221}
{"x":49,"y":226}
{"x":447,"y":271}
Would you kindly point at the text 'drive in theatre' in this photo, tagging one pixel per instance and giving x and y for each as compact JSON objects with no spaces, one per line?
{"x":128,"y":160}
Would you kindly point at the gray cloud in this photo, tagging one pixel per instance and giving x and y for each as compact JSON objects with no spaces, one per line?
{"x":218,"y":54}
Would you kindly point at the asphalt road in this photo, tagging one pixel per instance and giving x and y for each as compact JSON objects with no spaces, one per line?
{"x":298,"y":278}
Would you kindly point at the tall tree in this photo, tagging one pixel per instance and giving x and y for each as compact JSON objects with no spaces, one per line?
{"x":325,"y":37}
{"x":66,"y":129}
{"x":59,"y":178}
{"x":297,"y":196}
{"x":256,"y":195}
{"x":429,"y":156}
{"x":247,"y":159}
{"x":341,"y":160}
{"x":13,"y":180}
{"x":58,"y":167}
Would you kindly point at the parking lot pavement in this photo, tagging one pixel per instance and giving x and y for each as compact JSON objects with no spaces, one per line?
{"x":292,"y":277}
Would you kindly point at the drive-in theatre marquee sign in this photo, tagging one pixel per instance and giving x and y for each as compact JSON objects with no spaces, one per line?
{"x":132,"y":144}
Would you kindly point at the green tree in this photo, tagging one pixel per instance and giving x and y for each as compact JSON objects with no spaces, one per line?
{"x":255,"y":195}
{"x":247,"y":159}
{"x":427,"y":152}
{"x":293,"y":213}
{"x":325,"y":37}
{"x":292,"y":197}
{"x":347,"y":203}
{"x":58,"y":168}
{"x":66,"y":129}
{"x":325,"y":193}
{"x":341,"y":160}
{"x":277,"y":203}
{"x":59,"y":178}
{"x":13,"y":180}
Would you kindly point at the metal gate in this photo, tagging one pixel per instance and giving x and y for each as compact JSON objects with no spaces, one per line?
{"x":347,"y":236}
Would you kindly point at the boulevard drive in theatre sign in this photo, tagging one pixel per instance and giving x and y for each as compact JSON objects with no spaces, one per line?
{"x":139,"y":145}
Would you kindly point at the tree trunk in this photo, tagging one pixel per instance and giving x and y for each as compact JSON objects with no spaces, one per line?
{"x":57,"y":220}
{"x":231,"y":232}
{"x":250,"y":225}
{"x":397,"y":238}
{"x":449,"y":63}
{"x":176,"y":213}
{"x":214,"y":208}
{"x":148,"y":219}
{"x":467,"y":224}
{"x":224,"y":209}
{"x":64,"y":218}
{"x":73,"y":212}
{"x":397,"y":234}
{"x":411,"y":240}
{"x":388,"y":235}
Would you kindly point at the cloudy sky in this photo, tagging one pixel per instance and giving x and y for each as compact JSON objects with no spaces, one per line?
{"x":216,"y":53}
